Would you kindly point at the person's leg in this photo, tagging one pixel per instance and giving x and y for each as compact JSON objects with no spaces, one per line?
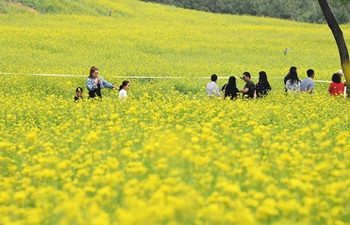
{"x":92,"y":94}
{"x":98,"y":92}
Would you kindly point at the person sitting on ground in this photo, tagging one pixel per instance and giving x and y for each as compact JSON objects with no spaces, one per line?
{"x":230,"y":89}
{"x":293,"y":83}
{"x":263,"y":86}
{"x":293,"y":69}
{"x":94,"y":84}
{"x":212,"y":87}
{"x":122,"y":90}
{"x":308,"y":85}
{"x":249,"y":88}
{"x":336,"y":88}
{"x":340,"y":72}
{"x":78,"y":94}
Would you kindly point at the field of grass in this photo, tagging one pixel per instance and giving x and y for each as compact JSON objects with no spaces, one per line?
{"x":168,"y":155}
{"x":153,"y":40}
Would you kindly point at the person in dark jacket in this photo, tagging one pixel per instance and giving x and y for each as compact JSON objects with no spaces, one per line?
{"x":249,"y":88}
{"x":230,"y":89}
{"x":263,"y":86}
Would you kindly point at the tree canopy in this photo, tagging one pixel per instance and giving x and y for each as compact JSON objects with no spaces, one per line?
{"x":299,"y":10}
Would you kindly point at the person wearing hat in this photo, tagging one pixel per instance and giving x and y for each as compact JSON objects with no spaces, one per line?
{"x":341,"y":74}
{"x":79,"y":94}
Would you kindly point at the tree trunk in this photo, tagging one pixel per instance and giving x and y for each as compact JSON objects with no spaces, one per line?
{"x":339,"y":39}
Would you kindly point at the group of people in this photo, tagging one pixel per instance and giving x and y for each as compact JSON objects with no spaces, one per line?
{"x":230,"y":89}
{"x":261,"y":89}
{"x":94,"y":84}
{"x":294,"y":85}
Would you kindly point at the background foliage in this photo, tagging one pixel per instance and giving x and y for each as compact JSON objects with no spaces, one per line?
{"x":144,"y":39}
{"x":300,"y":10}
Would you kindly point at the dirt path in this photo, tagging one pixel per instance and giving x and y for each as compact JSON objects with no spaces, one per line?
{"x":20,"y":5}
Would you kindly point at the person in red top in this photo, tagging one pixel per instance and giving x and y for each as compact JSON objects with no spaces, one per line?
{"x":336,"y":87}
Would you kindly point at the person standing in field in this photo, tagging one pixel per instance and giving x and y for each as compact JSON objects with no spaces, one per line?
{"x":230,"y":89}
{"x":308,"y":85}
{"x":336,"y":88}
{"x":249,"y":88}
{"x":94,"y":84}
{"x":263,"y":86}
{"x":122,"y":90}
{"x":212,"y":87}
{"x":293,"y":83}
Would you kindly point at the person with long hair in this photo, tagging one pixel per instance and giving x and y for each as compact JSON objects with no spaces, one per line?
{"x":94,"y":84}
{"x":263,"y":86}
{"x":292,"y":69}
{"x":293,"y":83}
{"x":122,"y":90}
{"x":230,"y":89}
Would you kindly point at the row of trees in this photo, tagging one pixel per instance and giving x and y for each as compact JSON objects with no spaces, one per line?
{"x":299,"y":10}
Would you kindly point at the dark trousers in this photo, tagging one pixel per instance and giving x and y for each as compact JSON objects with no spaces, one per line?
{"x":94,"y":93}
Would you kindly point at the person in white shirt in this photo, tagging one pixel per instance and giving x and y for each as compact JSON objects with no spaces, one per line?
{"x":122,"y":90}
{"x":212,"y":87}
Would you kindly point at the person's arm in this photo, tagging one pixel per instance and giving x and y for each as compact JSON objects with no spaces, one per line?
{"x":108,"y":85}
{"x":223,"y":88}
{"x":245,"y":90}
{"x":311,"y":88}
{"x":330,"y":88}
{"x":217,"y":91}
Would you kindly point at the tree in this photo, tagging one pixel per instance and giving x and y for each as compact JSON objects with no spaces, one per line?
{"x":339,"y":39}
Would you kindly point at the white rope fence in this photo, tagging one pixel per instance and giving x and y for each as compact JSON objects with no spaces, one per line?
{"x":132,"y":77}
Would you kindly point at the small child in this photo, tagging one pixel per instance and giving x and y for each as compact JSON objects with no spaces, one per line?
{"x":336,"y":88}
{"x":79,"y":94}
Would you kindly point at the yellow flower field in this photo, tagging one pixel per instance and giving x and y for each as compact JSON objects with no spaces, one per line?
{"x":165,"y":157}
{"x":168,"y":155}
